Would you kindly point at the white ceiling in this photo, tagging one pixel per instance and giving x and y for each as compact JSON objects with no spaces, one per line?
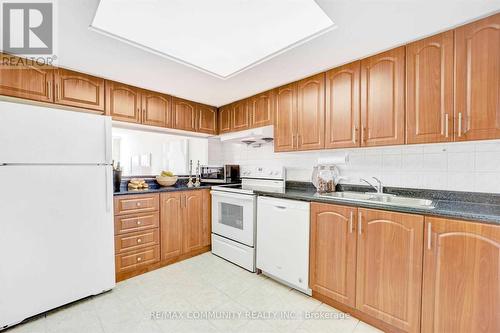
{"x":234,"y":35}
{"x":364,"y":27}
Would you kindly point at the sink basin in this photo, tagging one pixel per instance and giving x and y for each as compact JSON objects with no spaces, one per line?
{"x":403,"y":201}
{"x":382,"y":199}
{"x":348,"y":195}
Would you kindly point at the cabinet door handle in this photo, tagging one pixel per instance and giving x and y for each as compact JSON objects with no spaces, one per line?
{"x":429,"y":235}
{"x":355,"y":134}
{"x":56,"y":92}
{"x":359,"y":223}
{"x":446,"y":125}
{"x":460,"y":124}
{"x":351,"y":217}
{"x":48,"y":90}
{"x":363,"y":130}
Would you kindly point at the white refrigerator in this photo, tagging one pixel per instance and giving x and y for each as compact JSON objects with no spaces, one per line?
{"x":56,"y":209}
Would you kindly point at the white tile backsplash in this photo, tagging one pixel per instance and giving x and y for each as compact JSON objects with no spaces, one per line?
{"x":462,"y":166}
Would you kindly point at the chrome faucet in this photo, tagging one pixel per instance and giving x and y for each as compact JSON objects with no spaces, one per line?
{"x":379,"y":188}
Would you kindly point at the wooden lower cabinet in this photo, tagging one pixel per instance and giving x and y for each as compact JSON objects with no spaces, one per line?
{"x":138,"y":259}
{"x":461,"y":277}
{"x":140,"y":203}
{"x":162,"y":229}
{"x":185,"y":219}
{"x":389,"y":267}
{"x":333,"y":252}
{"x":192,"y":224}
{"x":368,"y":263}
{"x":171,"y":224}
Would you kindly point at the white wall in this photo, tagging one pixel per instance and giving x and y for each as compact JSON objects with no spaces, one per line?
{"x":168,"y":152}
{"x":464,"y":166}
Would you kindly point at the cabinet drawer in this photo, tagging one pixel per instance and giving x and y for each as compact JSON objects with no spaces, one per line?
{"x":136,"y":222}
{"x":137,"y":259}
{"x":141,"y":203}
{"x":136,"y":240}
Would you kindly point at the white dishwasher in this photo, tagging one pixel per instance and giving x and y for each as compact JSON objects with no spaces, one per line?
{"x":283,"y":241}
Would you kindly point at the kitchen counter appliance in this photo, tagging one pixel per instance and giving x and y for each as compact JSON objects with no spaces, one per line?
{"x":228,"y":173}
{"x":234,"y":214}
{"x":283,"y":241}
{"x":56,"y":229}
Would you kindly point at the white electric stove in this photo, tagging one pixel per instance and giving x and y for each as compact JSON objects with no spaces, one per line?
{"x":234,"y":213}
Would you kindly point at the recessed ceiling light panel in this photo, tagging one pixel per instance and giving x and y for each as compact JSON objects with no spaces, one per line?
{"x":220,"y":37}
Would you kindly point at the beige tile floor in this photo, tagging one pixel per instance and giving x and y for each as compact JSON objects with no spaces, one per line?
{"x":201,"y":286}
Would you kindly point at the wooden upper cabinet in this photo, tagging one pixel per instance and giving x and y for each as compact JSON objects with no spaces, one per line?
{"x":461,"y":280}
{"x":193,"y":221}
{"x":156,"y":109}
{"x":25,"y":81}
{"x":79,"y":90}
{"x":123,"y":102}
{"x":171,"y":224}
{"x":184,"y":114}
{"x":311,"y":113}
{"x":207,"y":119}
{"x":333,"y":252}
{"x":262,"y":109}
{"x":285,"y":124}
{"x":383,"y":98}
{"x":224,"y":119}
{"x":389,"y":267}
{"x":477,"y":90}
{"x":429,"y":86}
{"x":240,"y":116}
{"x":342,"y":106}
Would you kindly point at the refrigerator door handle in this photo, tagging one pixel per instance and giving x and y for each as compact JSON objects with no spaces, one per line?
{"x":107,"y":171}
{"x":107,"y":141}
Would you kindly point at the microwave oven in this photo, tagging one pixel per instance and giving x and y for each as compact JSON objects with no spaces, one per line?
{"x":228,"y":173}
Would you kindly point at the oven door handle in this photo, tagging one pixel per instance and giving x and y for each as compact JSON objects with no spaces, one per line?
{"x":248,"y":197}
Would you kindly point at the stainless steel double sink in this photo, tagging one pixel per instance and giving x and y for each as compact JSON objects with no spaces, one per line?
{"x":379,"y":198}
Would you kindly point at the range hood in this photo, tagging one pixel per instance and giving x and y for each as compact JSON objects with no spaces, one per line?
{"x":255,"y":136}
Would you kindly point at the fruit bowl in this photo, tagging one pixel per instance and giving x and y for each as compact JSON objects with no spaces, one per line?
{"x":166,"y":181}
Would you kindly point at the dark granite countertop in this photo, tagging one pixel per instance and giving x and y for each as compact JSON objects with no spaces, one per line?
{"x":158,"y":189}
{"x":480,"y":207}
{"x":154,"y":187}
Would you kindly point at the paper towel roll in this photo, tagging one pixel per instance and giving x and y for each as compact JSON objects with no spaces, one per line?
{"x":334,"y":159}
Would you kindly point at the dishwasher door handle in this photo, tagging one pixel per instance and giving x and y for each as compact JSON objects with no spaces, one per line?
{"x":280,"y":207}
